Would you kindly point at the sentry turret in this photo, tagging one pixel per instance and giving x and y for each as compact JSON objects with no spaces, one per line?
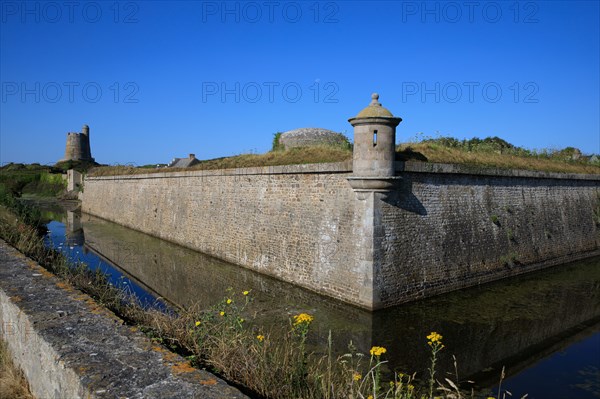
{"x":374,"y":147}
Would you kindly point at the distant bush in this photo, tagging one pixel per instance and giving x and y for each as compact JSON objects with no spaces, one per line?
{"x":277,"y":146}
{"x":47,"y":185}
{"x":495,"y":144}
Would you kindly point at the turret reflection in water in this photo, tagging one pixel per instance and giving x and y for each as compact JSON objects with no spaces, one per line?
{"x":512,"y":323}
{"x":74,"y":229}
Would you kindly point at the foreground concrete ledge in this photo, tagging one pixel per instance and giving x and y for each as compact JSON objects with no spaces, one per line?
{"x":70,"y":347}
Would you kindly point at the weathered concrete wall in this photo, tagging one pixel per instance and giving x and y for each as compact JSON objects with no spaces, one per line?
{"x":444,"y":227}
{"x":69,"y":347}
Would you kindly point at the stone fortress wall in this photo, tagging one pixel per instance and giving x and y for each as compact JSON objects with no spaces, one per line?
{"x":374,"y":232}
{"x":447,"y":227}
{"x":293,"y":223}
{"x":441,"y":230}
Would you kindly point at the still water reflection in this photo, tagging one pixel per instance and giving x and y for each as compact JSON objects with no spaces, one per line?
{"x":544,"y":328}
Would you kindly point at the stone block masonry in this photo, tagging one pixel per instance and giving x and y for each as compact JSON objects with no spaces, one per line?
{"x":446,"y":227}
{"x":291,"y":222}
{"x":439,"y":228}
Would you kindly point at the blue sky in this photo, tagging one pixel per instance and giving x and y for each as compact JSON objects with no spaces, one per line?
{"x":157,"y":80}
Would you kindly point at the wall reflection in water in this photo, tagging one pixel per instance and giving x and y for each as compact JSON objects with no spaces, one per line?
{"x":512,"y":323}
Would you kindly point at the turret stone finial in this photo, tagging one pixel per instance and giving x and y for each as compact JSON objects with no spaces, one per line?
{"x":373,"y":110}
{"x":375,"y":99}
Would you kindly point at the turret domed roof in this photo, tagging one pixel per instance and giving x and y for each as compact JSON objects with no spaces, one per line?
{"x":375,"y":109}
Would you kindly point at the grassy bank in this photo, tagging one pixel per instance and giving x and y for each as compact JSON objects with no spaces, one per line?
{"x":31,"y":180}
{"x":497,"y":153}
{"x":13,"y":384}
{"x":226,"y":339}
{"x":490,"y":152}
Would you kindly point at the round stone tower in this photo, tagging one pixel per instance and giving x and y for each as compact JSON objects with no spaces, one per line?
{"x":86,"y":151}
{"x":374,"y":146}
{"x":78,"y":146}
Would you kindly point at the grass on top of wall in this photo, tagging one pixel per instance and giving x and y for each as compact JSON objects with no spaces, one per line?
{"x":547,"y":161}
{"x":490,"y":152}
{"x":294,"y":156}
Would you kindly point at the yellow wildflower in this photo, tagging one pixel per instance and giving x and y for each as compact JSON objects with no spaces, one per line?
{"x":411,"y":387}
{"x":434,"y":337}
{"x":229,"y":301}
{"x":242,"y":320}
{"x":356,"y":377}
{"x":260,"y":337}
{"x":377,"y":351}
{"x":370,"y":397}
{"x":197,"y":323}
{"x":303,"y":318}
{"x":246,"y":293}
{"x":222,"y":313}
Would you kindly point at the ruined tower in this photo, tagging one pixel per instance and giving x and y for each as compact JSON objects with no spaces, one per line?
{"x":78,"y":146}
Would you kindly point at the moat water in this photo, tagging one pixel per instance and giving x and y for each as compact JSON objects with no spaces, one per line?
{"x":543,"y":327}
